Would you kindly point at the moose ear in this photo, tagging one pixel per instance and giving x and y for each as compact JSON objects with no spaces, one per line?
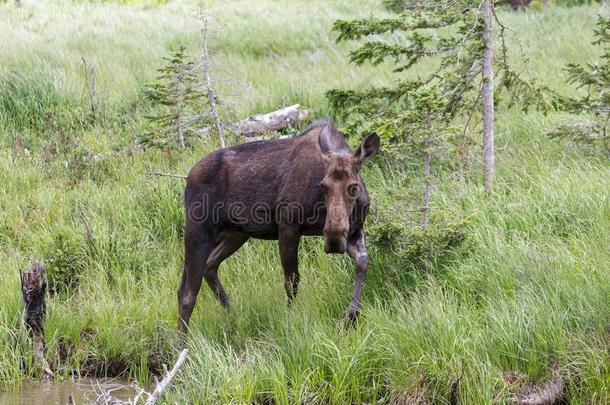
{"x":325,"y":139}
{"x":368,"y":147}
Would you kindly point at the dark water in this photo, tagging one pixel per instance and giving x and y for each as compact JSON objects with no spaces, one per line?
{"x":84,"y":391}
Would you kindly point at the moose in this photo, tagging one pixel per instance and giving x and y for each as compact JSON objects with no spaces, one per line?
{"x":281,"y":190}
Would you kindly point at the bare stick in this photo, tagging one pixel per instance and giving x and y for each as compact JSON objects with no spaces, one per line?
{"x":178,"y":94}
{"x":206,"y":73}
{"x":167,"y":380}
{"x":137,"y":397}
{"x":178,"y":176}
{"x":91,"y":86}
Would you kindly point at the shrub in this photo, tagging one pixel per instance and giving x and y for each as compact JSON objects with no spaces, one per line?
{"x":66,"y":261}
{"x":423,"y":249}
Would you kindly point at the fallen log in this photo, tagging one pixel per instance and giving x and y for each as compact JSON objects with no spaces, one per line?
{"x":33,"y":289}
{"x":260,"y":124}
{"x":549,"y":394}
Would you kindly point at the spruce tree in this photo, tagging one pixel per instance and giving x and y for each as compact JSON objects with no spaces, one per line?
{"x":594,"y":106}
{"x":454,"y":39}
{"x":178,"y":101}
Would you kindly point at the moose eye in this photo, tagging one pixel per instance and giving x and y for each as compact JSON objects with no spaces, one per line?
{"x":353,"y":190}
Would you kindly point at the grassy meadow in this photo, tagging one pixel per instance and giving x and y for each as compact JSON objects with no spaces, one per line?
{"x":530,"y":294}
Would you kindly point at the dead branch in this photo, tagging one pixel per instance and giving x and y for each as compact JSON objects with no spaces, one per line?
{"x":104,"y":393}
{"x":260,"y":124}
{"x":178,"y":96}
{"x":165,"y":383}
{"x":203,"y":17}
{"x":33,"y":289}
{"x":91,"y":87}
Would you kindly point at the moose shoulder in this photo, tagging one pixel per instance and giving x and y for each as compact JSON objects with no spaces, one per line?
{"x":278,"y":189}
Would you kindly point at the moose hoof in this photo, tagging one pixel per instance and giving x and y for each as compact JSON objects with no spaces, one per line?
{"x":350,"y":318}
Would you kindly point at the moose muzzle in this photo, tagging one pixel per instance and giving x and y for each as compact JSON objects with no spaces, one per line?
{"x":335,"y":243}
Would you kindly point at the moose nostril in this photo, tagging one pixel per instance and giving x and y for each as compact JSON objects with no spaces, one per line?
{"x":335,"y":245}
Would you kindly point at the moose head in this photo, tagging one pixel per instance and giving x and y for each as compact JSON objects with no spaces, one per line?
{"x":342,"y":183}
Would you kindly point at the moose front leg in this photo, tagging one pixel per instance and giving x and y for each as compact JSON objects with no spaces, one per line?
{"x":357,"y":251}
{"x":289,"y":252}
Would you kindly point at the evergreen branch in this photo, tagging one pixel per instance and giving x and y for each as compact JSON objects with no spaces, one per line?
{"x":357,"y":29}
{"x":531,"y":93}
{"x":377,"y":51}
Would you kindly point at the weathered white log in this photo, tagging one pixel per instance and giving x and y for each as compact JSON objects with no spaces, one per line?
{"x":167,"y":380}
{"x":551,"y":393}
{"x":260,"y":124}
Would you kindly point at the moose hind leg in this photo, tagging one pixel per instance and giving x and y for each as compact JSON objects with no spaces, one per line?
{"x":197,"y":248}
{"x":227,"y":243}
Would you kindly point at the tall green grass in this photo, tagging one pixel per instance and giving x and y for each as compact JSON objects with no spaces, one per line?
{"x":532,"y":295}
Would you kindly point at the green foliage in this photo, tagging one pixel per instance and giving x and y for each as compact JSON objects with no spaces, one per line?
{"x":179,"y":99}
{"x":409,"y":112}
{"x":528,"y":94}
{"x":422,"y":249}
{"x":401,"y":5}
{"x":456,"y":41}
{"x":402,"y":114}
{"x":444,"y":35}
{"x":592,"y":126}
{"x":594,"y":77}
{"x":66,"y":261}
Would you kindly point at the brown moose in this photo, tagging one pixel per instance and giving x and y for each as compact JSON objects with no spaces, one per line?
{"x":276,"y":190}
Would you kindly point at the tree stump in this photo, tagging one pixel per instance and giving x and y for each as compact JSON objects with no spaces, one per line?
{"x":34,"y":288}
